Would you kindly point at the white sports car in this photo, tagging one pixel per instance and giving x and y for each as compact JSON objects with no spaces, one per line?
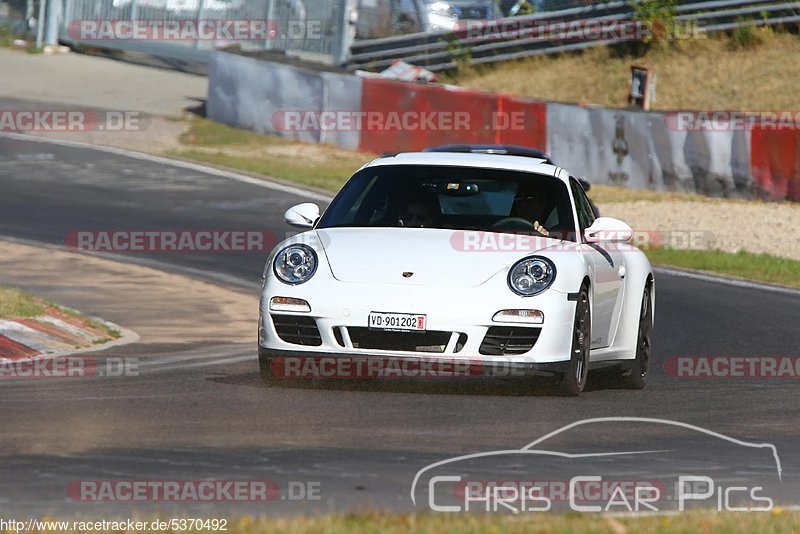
{"x":485,"y":259}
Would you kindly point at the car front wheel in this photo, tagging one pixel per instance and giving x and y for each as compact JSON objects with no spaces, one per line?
{"x":574,"y":379}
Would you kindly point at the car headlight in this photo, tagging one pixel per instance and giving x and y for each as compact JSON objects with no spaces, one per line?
{"x":295,"y":264}
{"x":531,"y":276}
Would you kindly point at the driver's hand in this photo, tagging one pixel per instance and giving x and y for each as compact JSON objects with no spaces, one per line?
{"x":541,"y":229}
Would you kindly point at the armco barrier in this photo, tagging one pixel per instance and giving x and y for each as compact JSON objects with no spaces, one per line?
{"x":775,"y":163}
{"x":468,"y":117}
{"x":639,"y":150}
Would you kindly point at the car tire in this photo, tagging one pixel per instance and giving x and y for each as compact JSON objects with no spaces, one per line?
{"x":635,"y":377}
{"x":574,"y":378}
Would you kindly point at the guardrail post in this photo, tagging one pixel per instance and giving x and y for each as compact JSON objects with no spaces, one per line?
{"x":201,"y":7}
{"x":51,"y":22}
{"x":69,"y":9}
{"x":40,"y":25}
{"x":345,"y":35}
{"x":268,"y":44}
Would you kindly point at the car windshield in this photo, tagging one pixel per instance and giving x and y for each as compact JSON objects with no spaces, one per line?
{"x":451,"y":197}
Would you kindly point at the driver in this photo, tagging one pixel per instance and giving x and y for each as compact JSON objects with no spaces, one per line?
{"x":420,"y":212}
{"x":532,"y":207}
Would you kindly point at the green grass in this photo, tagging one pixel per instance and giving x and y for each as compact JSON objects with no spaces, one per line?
{"x":761,"y":267}
{"x":318,"y":166}
{"x":18,"y":303}
{"x":321,"y":178}
{"x":205,"y":132}
{"x":6,"y":35}
{"x":15,"y":303}
{"x":776,"y":521}
{"x":707,"y":74}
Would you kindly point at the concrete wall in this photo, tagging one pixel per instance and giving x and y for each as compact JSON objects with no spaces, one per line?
{"x":645,"y":151}
{"x":608,"y":146}
{"x":250,"y":94}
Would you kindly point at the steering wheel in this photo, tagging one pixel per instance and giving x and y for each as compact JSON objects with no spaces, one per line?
{"x":512,"y":222}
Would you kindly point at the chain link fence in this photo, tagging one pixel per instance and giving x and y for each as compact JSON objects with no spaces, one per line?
{"x":19,"y":16}
{"x":188,"y":29}
{"x":386,"y":18}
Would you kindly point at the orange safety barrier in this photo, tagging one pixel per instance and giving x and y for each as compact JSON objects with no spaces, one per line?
{"x":775,"y":163}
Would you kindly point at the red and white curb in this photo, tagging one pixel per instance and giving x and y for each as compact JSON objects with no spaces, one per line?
{"x":55,"y":334}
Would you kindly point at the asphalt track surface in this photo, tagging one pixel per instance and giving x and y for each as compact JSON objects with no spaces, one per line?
{"x":201,"y":412}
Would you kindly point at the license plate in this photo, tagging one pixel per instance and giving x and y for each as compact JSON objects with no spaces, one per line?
{"x":401,"y":322}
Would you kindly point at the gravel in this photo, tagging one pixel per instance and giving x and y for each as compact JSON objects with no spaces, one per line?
{"x":758,"y":227}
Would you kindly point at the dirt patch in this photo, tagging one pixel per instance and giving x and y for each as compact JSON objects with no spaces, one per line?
{"x":158,"y":135}
{"x":161,"y":307}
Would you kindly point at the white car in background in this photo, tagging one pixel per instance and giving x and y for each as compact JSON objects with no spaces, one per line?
{"x":494,"y":259}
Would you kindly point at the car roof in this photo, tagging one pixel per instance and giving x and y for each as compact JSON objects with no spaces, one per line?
{"x":481,"y":160}
{"x":508,"y":150}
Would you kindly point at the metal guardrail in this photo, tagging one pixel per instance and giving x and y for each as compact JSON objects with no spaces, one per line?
{"x":434,"y":51}
{"x":312,"y":30}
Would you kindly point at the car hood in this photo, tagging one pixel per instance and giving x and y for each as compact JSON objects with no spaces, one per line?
{"x":443,"y":258}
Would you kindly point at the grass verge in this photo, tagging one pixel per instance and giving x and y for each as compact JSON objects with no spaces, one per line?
{"x":707,"y":74}
{"x":745,"y":265}
{"x":17,"y":303}
{"x":776,"y":521}
{"x":318,"y":166}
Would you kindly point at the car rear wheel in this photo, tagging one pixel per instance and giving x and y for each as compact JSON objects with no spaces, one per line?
{"x":574,"y":379}
{"x":636,"y":376}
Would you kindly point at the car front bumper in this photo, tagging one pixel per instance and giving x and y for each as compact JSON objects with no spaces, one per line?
{"x":459,"y":324}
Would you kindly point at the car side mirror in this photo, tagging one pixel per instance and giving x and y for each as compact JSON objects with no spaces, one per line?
{"x":608,"y":229}
{"x":302,"y":215}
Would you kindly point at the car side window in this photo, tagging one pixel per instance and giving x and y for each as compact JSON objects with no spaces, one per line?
{"x":585,"y":212}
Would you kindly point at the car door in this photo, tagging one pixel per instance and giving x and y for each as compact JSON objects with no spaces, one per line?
{"x":608,"y":270}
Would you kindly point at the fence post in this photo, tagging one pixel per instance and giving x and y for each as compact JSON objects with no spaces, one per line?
{"x":51,"y":18}
{"x":40,"y":25}
{"x":269,"y":44}
{"x":201,"y":7}
{"x":69,"y":9}
{"x":345,"y":33}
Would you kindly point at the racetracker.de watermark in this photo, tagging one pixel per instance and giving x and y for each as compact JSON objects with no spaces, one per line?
{"x":134,"y":491}
{"x":170,"y":240}
{"x":531,"y":241}
{"x":733,"y":121}
{"x":72,"y":120}
{"x":733,"y":367}
{"x":79,"y":367}
{"x":347,"y":120}
{"x":194,"y":30}
{"x":608,"y":30}
{"x":388,"y":367}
